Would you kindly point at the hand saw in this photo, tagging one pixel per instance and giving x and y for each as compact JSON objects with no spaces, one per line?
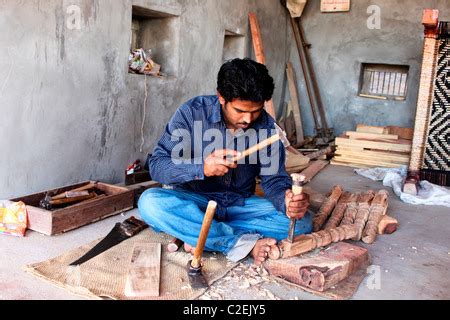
{"x":121,"y":232}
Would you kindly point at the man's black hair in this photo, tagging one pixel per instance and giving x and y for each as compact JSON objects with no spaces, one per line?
{"x":245,"y":79}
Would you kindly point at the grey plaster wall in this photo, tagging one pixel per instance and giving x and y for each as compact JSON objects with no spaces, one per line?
{"x":342,"y":41}
{"x":69,"y":109}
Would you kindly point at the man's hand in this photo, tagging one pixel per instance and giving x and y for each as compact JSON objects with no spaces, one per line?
{"x":216,"y":164}
{"x":296,"y":206}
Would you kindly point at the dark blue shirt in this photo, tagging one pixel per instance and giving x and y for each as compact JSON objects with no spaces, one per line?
{"x":192,"y":126}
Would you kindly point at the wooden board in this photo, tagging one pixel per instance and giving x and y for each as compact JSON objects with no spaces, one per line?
{"x":374,"y":136}
{"x":321,"y":270}
{"x":362,"y":163}
{"x":351,"y":165}
{"x":117,"y":200}
{"x":381,"y":155}
{"x":335,"y":5}
{"x":144,"y":271}
{"x":400,"y":146}
{"x":371,"y":129}
{"x":368,"y":160}
{"x":295,"y":103}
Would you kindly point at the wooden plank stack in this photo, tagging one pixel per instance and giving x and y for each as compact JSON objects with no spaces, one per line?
{"x":371,"y":146}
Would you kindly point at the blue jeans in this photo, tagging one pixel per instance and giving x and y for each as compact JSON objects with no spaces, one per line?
{"x":180,"y":213}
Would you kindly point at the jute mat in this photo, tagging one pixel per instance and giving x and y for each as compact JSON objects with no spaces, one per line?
{"x":104,"y":276}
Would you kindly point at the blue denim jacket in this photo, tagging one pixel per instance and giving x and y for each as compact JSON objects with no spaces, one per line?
{"x":237,"y":184}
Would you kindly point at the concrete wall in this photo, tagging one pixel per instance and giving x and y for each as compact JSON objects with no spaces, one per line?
{"x":342,"y":41}
{"x":69,"y":109}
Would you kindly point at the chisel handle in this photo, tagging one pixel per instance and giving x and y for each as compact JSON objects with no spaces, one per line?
{"x":207,"y":220}
{"x":297,"y":188}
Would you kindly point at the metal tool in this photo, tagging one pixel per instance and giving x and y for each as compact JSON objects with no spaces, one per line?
{"x":121,"y":231}
{"x":196,"y":278}
{"x":68,"y":197}
{"x":298,"y":181}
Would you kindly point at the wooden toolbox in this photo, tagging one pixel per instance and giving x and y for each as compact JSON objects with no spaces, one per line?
{"x":117,"y":200}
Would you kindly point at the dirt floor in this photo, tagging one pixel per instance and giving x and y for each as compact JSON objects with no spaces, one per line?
{"x":412,"y":263}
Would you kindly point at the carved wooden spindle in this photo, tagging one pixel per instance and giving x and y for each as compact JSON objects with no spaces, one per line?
{"x":363,"y":213}
{"x":351,"y":210}
{"x":306,"y":243}
{"x":327,"y":207}
{"x":338,"y":212}
{"x":377,"y":210}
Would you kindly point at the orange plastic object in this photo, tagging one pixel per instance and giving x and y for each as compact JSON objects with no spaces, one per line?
{"x":13,"y":219}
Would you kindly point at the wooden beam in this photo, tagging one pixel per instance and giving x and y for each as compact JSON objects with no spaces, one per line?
{"x":295,"y":103}
{"x":144,"y":271}
{"x":314,"y":168}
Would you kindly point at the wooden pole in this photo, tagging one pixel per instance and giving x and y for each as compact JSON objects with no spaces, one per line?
{"x":425,"y":99}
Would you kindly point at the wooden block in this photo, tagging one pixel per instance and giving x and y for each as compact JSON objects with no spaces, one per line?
{"x":387,"y":225}
{"x":144,"y":271}
{"x":430,"y":18}
{"x":371,"y":129}
{"x":174,"y":245}
{"x":301,"y":244}
{"x":402,"y":133}
{"x":321,"y":271}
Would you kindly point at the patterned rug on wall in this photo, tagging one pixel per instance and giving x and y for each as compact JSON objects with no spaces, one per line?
{"x":436,"y":166}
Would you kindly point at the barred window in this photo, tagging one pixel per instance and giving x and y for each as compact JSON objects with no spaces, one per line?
{"x":383,"y":81}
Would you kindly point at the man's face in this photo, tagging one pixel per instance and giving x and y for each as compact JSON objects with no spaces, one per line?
{"x":239,"y":114}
